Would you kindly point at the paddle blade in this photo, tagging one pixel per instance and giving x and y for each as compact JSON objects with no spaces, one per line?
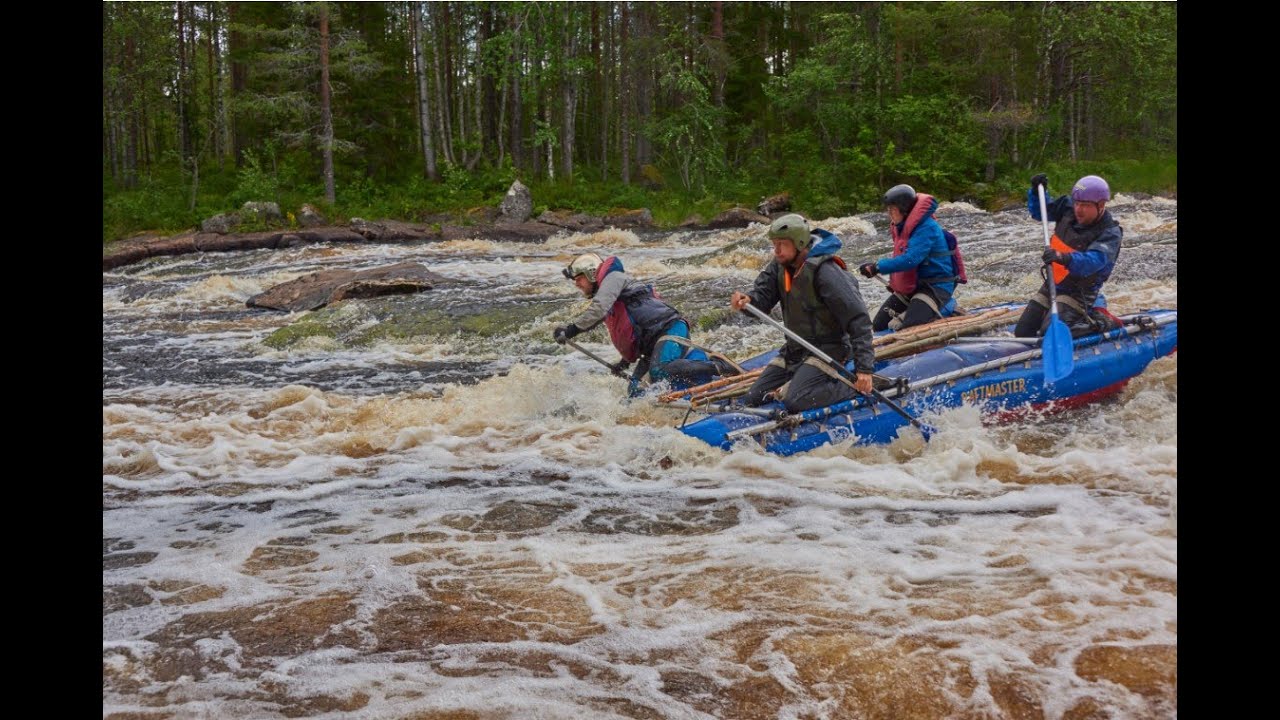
{"x":1058,"y":358}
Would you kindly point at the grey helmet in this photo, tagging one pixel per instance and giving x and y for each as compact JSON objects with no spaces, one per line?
{"x":902,"y":197}
{"x":794,"y":228}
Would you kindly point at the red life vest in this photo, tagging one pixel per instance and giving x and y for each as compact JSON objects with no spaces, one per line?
{"x":905,"y":281}
{"x":637,"y":318}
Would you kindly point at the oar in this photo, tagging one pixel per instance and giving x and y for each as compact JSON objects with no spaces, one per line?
{"x":596,"y":357}
{"x":924,"y":429}
{"x":1058,"y":358}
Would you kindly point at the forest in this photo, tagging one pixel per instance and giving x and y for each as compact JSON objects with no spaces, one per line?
{"x":408,"y":109}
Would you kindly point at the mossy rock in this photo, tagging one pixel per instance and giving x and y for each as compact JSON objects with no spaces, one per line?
{"x":365,"y":323}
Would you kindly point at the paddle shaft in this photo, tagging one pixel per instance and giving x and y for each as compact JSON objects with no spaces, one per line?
{"x":829,"y":360}
{"x":595,"y":357}
{"x":1053,"y":286}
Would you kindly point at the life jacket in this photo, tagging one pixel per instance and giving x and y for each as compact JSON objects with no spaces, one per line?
{"x":905,"y":282}
{"x":638,"y":317}
{"x":1068,"y":237}
{"x":805,"y":314}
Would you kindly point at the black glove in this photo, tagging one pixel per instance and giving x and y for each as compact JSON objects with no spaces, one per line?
{"x":1053,"y":256}
{"x":620,"y":367}
{"x":565,"y":332}
{"x":1038,"y":180}
{"x":869,"y":269}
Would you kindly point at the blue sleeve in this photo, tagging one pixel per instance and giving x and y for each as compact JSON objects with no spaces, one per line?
{"x":1101,"y":253}
{"x":1056,"y":208}
{"x":925,"y":237}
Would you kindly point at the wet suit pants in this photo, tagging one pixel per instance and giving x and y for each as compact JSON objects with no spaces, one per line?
{"x":920,"y":308}
{"x":808,"y":385}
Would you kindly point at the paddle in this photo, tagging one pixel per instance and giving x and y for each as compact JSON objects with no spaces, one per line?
{"x":1058,"y":358}
{"x":882,"y":281}
{"x":924,"y":429}
{"x":597,"y":358}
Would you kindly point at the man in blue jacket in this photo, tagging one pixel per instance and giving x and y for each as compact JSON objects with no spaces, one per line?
{"x":820,"y":303}
{"x":1081,"y":254}
{"x":926,"y":263}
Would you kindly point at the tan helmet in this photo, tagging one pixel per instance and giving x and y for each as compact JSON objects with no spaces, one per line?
{"x":586,"y":264}
{"x":794,"y":228}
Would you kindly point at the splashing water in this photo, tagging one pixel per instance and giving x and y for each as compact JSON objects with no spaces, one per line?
{"x":420,"y":506}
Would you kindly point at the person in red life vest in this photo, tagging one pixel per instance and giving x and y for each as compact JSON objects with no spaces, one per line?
{"x":1081,"y":255}
{"x":639,"y":323}
{"x":822,"y":304}
{"x":925,"y":267}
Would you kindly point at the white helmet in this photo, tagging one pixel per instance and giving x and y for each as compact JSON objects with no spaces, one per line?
{"x":584,"y":265}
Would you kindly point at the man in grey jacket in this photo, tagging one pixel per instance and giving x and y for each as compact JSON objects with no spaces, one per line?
{"x":820,"y":303}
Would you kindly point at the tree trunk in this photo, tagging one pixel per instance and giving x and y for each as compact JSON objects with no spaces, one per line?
{"x":180,"y":96}
{"x":460,"y":102}
{"x":417,"y":37}
{"x":195,"y":146}
{"x":1013,"y":84}
{"x":129,"y":163}
{"x":1088,"y":115}
{"x":569,"y":91}
{"x":147,"y":139}
{"x":108,"y":101}
{"x":593,"y":105}
{"x":489,"y":108}
{"x":1071,"y":111}
{"x":624,"y":92}
{"x":544,"y":115}
{"x":779,"y":40}
{"x":689,"y":33}
{"x":993,"y":150}
{"x":326,"y":114}
{"x":718,"y":52}
{"x":218,"y":106}
{"x":897,"y":56}
{"x":209,"y":35}
{"x":239,"y":83}
{"x":477,"y":106}
{"x":442,"y":111}
{"x":644,"y":68}
{"x":444,"y":35}
{"x":516,"y":104}
{"x":606,"y":85}
{"x":195,"y":182}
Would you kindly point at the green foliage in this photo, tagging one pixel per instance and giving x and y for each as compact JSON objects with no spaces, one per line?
{"x":939,"y":146}
{"x":1157,"y":174}
{"x":153,"y":205}
{"x":254,"y":183}
{"x":831,"y":101}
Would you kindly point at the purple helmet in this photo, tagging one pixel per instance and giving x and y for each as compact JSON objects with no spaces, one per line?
{"x":1091,"y":188}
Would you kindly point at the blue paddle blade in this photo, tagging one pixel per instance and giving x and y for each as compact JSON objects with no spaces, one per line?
{"x":1058,"y":358}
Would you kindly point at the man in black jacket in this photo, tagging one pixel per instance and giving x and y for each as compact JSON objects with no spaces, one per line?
{"x":820,"y":303}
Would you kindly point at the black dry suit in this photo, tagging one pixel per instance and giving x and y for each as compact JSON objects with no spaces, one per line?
{"x":1103,"y":238}
{"x":822,"y":304}
{"x":804,"y":313}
